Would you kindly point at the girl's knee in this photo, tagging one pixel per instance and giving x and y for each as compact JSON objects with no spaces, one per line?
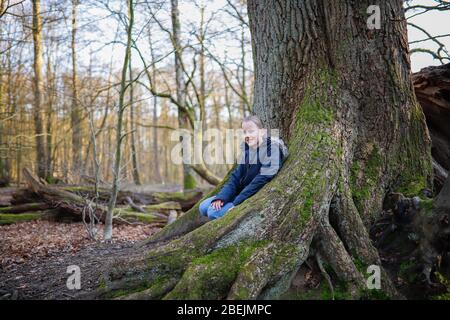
{"x":212,"y":213}
{"x":204,"y":206}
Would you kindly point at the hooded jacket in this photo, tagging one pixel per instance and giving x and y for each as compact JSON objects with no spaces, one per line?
{"x":255,"y":168}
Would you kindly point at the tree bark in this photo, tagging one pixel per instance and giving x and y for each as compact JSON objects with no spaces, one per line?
{"x":134,"y":157}
{"x":75,"y":109}
{"x":119,"y":137}
{"x":80,"y":207}
{"x":342,"y":97}
{"x":432,"y":88}
{"x":38,"y":84}
{"x":156,"y":170}
{"x":183,"y":118}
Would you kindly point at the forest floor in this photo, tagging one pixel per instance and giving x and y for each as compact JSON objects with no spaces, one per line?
{"x":35,"y":256}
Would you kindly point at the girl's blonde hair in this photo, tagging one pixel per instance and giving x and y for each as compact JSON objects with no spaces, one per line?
{"x":255,"y":119}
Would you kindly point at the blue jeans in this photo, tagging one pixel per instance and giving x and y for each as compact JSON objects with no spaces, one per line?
{"x":207,"y":210}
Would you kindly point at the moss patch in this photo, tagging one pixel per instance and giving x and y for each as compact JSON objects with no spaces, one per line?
{"x":189,"y":182}
{"x":10,"y":218}
{"x":364,"y":177}
{"x":211,"y":276}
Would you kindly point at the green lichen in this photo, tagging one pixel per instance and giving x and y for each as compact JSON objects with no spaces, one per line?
{"x":340,"y":291}
{"x":189,"y":182}
{"x":364,"y":177}
{"x":412,"y":185}
{"x":314,"y":110}
{"x":406,"y":271}
{"x":210,"y":276}
{"x":102,"y":284}
{"x":140,"y":216}
{"x":10,"y":218}
{"x":414,"y":162}
{"x":360,"y":265}
{"x":445,"y":282}
{"x":314,"y":120}
{"x":373,"y":294}
{"x":427,"y":205}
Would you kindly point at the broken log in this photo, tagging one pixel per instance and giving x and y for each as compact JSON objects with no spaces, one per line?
{"x":432,"y":88}
{"x":74,"y":204}
{"x":20,"y":208}
{"x":10,"y":218}
{"x":187,"y":199}
{"x":160,"y":207}
{"x":24,"y":195}
{"x":442,"y":201}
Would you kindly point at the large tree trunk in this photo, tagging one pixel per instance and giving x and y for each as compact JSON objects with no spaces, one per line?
{"x":342,"y":96}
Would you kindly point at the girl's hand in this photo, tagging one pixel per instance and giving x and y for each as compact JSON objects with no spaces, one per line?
{"x":217,"y":204}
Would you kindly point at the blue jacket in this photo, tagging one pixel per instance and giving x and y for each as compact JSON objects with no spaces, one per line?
{"x":255,"y":168}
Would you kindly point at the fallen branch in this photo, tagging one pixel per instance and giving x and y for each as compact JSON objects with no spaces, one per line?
{"x":74,"y":204}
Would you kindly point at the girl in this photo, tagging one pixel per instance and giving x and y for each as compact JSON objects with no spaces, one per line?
{"x":261,"y":159}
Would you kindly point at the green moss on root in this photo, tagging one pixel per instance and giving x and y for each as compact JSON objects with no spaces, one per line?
{"x":364,"y":178}
{"x":340,"y":291}
{"x":211,"y":276}
{"x":411,"y":185}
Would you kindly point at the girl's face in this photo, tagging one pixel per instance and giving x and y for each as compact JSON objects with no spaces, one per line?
{"x":252,"y":134}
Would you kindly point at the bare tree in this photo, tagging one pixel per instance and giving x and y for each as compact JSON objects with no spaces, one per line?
{"x":38,"y":84}
{"x":120,"y":115}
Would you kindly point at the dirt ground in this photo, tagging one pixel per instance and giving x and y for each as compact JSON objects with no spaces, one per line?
{"x":35,"y":255}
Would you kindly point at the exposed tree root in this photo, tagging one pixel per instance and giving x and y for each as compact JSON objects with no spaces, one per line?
{"x":324,"y":273}
{"x":254,"y":251}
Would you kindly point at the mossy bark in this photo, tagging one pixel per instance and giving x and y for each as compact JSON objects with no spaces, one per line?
{"x":342,"y":97}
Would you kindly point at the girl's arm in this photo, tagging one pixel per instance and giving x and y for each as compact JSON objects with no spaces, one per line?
{"x":268,"y":170}
{"x":231,"y":187}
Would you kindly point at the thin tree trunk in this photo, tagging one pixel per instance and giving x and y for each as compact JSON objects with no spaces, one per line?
{"x":119,"y":137}
{"x":38,"y":109}
{"x":50,"y":102}
{"x":244,"y":106}
{"x":228,"y":105}
{"x":3,"y":177}
{"x":156,"y":167}
{"x":183,"y":119}
{"x":75,"y":111}
{"x":134,"y":162}
{"x":201,"y":39}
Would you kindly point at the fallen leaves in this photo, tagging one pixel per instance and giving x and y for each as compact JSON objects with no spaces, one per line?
{"x":21,"y":242}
